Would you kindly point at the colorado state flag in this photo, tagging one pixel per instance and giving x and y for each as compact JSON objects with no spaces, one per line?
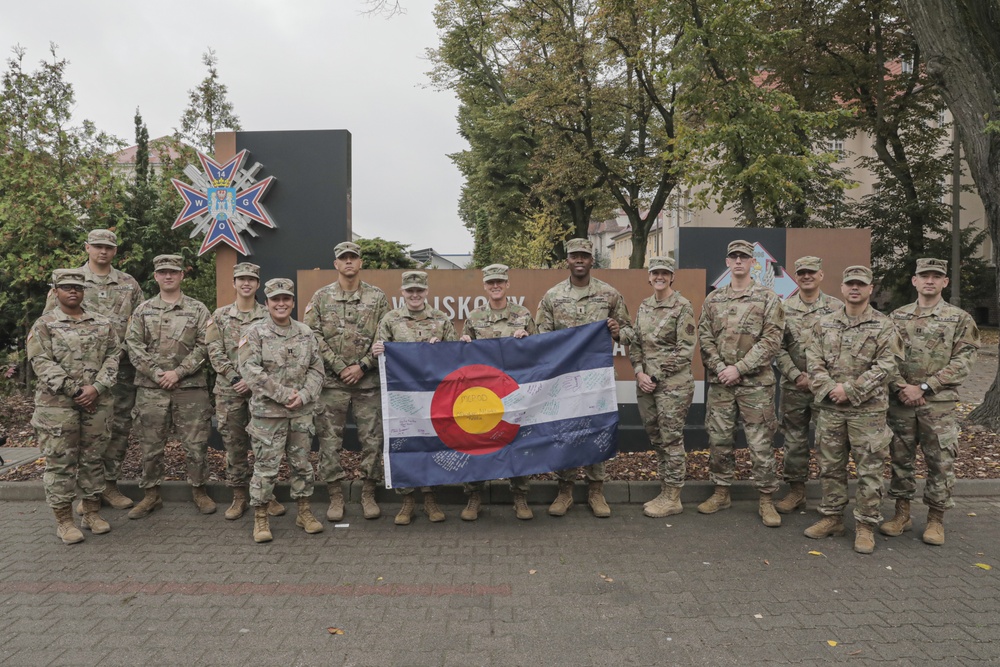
{"x":502,"y":407}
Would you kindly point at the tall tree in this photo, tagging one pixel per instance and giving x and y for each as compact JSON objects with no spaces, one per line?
{"x":378,"y":253}
{"x":209,"y":110}
{"x":960,"y":40}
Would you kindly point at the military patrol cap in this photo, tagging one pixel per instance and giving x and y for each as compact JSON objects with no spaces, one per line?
{"x":930,"y":264}
{"x":661,"y":264}
{"x":580,"y":245}
{"x":495,"y":272}
{"x":276,"y":286}
{"x":859,"y":273}
{"x":808,"y":263}
{"x":68,"y":277}
{"x":102,"y":237}
{"x":739,"y":245}
{"x":417,"y":279}
{"x":247,"y":270}
{"x":168,"y":262}
{"x":346,"y":247}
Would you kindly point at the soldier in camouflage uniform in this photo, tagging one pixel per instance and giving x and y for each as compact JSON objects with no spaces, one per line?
{"x":74,"y":353}
{"x":345,"y":317}
{"x":498,"y":318}
{"x":851,"y":355}
{"x":802,"y":311}
{"x":232,"y":395}
{"x":280,"y":360}
{"x":414,"y":322}
{"x":661,"y":352}
{"x":582,"y":299}
{"x":740,"y":334}
{"x":114,"y":294}
{"x":166,"y":342}
{"x":940,"y":343}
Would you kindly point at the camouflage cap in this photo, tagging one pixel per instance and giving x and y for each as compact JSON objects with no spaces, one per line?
{"x":276,"y":286}
{"x":246,"y":269}
{"x":926,"y":264}
{"x":495,"y":272}
{"x":859,"y":273}
{"x":346,"y":247}
{"x":168,"y":263}
{"x":68,"y":277}
{"x":580,"y":245}
{"x":661,"y":264}
{"x":740,"y":245}
{"x":102,"y":237}
{"x":808,"y":263}
{"x":417,"y":279}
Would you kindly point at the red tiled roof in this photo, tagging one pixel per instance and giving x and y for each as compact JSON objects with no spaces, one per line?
{"x":127,"y":155}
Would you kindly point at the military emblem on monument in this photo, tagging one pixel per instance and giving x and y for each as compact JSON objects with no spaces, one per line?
{"x":224,"y":202}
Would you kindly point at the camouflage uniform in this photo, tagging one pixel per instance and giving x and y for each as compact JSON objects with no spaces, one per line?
{"x":483,"y":323}
{"x":940,"y":347}
{"x":565,"y":306}
{"x":663,"y":347}
{"x":171,"y":336}
{"x":67,"y":354}
{"x":860,"y":353}
{"x":274,"y":362}
{"x":742,"y":329}
{"x":797,"y":406}
{"x":345,"y":324}
{"x":114,"y":296}
{"x":227,"y":326}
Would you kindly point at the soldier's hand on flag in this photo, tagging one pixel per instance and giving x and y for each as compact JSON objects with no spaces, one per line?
{"x":378,"y":347}
{"x":465,"y":339}
{"x":520,"y":333}
{"x":613,"y":327}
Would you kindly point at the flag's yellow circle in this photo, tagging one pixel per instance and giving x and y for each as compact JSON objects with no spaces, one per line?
{"x":477,"y":410}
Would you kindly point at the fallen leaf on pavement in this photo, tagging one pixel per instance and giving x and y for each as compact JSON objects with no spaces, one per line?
{"x":815,"y":553}
{"x":831,"y":642}
{"x":335,"y":631}
{"x":532,"y":571}
{"x":984,"y":566}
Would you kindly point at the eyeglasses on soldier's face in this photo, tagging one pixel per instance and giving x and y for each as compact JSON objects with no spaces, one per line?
{"x":71,"y":288}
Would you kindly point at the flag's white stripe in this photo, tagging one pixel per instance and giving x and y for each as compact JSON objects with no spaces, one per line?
{"x":577,"y":394}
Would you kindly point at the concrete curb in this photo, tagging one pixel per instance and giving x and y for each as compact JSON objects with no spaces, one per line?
{"x":496,"y":493}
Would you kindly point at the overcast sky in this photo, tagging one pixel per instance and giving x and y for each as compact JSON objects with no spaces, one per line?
{"x":290,"y":65}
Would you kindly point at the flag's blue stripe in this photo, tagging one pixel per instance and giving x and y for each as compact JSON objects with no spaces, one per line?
{"x":536,"y":449}
{"x":421,"y":366}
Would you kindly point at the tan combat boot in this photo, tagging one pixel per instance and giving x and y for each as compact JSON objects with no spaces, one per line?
{"x":114,"y":497}
{"x":900,"y":522}
{"x":768,"y":514}
{"x":826,"y":527}
{"x":306,"y":520}
{"x":934,"y":532}
{"x":368,"y":504}
{"x":240,"y":504}
{"x":274,"y":508}
{"x":667,"y":503}
{"x":521,"y":509}
{"x":471,"y":511}
{"x":719,"y":500}
{"x":406,"y":511}
{"x":261,"y":525}
{"x":150,"y":502}
{"x":201,"y":500}
{"x":65,"y":529}
{"x":431,"y":508}
{"x":864,"y":539}
{"x":795,"y":499}
{"x":595,"y":498}
{"x":92,"y":520}
{"x":335,"y":512}
{"x":563,"y":501}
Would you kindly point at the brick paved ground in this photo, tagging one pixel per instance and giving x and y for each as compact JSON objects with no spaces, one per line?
{"x":182,"y":589}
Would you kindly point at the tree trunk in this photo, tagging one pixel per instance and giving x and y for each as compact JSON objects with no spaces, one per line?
{"x":961,"y":39}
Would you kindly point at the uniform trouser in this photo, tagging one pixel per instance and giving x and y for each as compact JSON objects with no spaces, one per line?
{"x":755,"y":405}
{"x":271,"y":437}
{"x":121,"y":424}
{"x":517,"y":484}
{"x":189,"y":412}
{"x":663,"y":415}
{"x":797,"y":411}
{"x":72,"y":440}
{"x":935,"y":428}
{"x":366,"y":405}
{"x":233,"y":414}
{"x":863,"y":436}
